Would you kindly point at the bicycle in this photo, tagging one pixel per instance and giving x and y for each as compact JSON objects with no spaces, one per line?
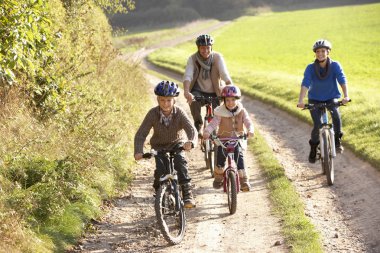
{"x":326,"y":148}
{"x":231,"y":181}
{"x":207,"y":146}
{"x":168,"y":205}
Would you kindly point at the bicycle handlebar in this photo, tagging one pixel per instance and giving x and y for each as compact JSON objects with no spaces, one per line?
{"x":323,"y":105}
{"x":205,"y":99}
{"x":175,"y":150}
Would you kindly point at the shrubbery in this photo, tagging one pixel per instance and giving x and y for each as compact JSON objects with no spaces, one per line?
{"x":65,"y":124}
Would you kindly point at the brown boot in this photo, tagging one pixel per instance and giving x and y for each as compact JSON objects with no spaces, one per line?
{"x":218,"y":177}
{"x":244,"y":182}
{"x":188,"y":198}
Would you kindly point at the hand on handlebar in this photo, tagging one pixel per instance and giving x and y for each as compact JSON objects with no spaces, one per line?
{"x":301,"y":105}
{"x":206,"y":135}
{"x":189,"y":97}
{"x":188,"y":145}
{"x":138,"y":156}
{"x":346,"y":100}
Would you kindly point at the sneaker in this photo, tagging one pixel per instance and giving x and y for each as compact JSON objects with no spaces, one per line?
{"x":189,"y":203}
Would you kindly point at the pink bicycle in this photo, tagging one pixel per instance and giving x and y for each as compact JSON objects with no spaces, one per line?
{"x":231,"y":182}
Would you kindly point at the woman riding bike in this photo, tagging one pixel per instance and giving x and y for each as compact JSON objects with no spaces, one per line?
{"x":321,"y":79}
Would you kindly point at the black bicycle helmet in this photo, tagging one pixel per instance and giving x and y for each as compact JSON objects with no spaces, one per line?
{"x":166,"y":89}
{"x":204,"y":40}
{"x":322,"y":43}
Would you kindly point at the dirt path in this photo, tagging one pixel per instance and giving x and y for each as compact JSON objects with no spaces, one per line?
{"x":347,"y":214}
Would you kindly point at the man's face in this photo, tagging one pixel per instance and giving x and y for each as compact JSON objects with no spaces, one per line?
{"x":205,"y":51}
{"x":321,"y":54}
{"x":166,"y":104}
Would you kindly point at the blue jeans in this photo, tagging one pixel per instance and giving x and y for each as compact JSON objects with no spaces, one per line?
{"x":316,"y":116}
{"x":238,"y":157}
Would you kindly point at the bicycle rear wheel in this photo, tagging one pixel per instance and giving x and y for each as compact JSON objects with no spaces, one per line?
{"x":171,"y":219}
{"x":327,"y":159}
{"x":231,"y":192}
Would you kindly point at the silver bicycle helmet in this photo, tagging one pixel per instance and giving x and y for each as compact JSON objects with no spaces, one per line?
{"x":322,"y":43}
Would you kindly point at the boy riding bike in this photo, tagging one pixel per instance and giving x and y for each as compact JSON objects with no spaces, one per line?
{"x":321,"y":79}
{"x":231,"y":118}
{"x":204,"y":71}
{"x":168,"y":122}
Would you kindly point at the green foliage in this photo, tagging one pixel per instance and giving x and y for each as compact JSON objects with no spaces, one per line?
{"x":67,"y":129}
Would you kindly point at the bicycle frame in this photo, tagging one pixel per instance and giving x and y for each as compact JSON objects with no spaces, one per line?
{"x":229,"y":144}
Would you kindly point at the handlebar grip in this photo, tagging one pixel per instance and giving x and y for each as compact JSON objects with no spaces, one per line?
{"x":147,"y":155}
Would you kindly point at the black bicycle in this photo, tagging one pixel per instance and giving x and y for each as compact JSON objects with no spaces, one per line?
{"x":326,"y":148}
{"x":169,"y":206}
{"x":207,"y":146}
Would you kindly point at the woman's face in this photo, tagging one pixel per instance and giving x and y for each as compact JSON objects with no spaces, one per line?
{"x":166,"y":104}
{"x":205,"y":51}
{"x":230,"y":102}
{"x":321,"y":54}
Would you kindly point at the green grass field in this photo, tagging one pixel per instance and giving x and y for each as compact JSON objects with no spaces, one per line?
{"x":267,"y":55}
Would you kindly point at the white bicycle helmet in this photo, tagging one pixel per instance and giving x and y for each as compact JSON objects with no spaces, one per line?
{"x":322,"y":43}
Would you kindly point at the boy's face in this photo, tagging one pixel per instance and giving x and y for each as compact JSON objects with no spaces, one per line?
{"x":321,"y":54}
{"x":166,"y":104}
{"x":205,"y":51}
{"x":230,"y":102}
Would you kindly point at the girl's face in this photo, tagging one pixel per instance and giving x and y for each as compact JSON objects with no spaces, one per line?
{"x":166,"y":104}
{"x":230,"y":103}
{"x":205,"y":51}
{"x":321,"y":54}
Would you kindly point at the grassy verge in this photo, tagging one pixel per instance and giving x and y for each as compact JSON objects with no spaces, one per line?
{"x":299,"y":233}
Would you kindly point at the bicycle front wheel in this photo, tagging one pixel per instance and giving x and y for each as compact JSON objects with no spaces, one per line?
{"x":231,"y":192}
{"x":327,"y":159}
{"x":170,"y":214}
{"x":210,"y":161}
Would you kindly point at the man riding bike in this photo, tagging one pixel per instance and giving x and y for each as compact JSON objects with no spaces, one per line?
{"x":204,"y":72}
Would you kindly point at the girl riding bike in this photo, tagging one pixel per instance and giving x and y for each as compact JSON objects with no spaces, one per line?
{"x":231,"y":117}
{"x":168,"y":121}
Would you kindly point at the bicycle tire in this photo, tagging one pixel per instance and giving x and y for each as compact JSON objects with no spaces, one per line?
{"x":231,"y":191}
{"x":327,"y":160}
{"x":172,"y":222}
{"x":210,"y":157}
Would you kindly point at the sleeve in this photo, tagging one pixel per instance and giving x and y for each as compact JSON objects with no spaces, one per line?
{"x":188,"y":75}
{"x":188,"y":126}
{"x":214,"y":123}
{"x":143,"y":132}
{"x":307,"y":79}
{"x":340,"y":76}
{"x":248,"y":122}
{"x":224,"y":75}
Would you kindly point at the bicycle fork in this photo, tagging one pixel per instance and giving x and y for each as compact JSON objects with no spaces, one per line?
{"x":227,"y":171}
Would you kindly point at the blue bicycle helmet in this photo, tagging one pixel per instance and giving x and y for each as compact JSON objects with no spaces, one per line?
{"x":166,"y":89}
{"x":204,"y":40}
